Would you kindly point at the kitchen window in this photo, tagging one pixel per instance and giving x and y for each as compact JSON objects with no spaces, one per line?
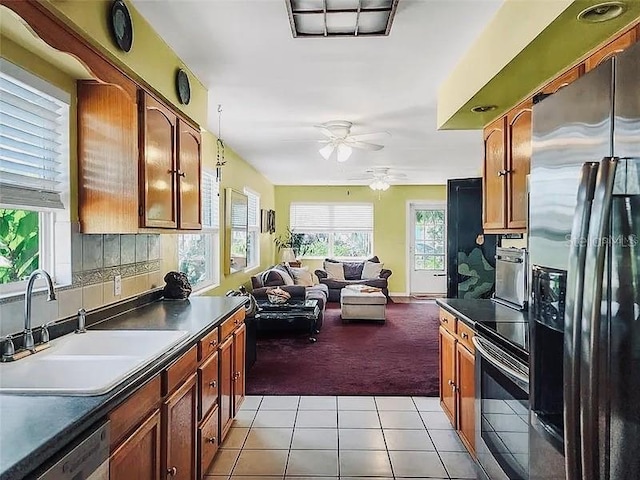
{"x":35,"y":231}
{"x":334,"y":230}
{"x":253,"y":224}
{"x":199,"y":253}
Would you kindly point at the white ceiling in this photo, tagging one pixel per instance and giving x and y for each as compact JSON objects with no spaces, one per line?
{"x":274,"y":88}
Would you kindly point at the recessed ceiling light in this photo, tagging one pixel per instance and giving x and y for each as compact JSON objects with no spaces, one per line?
{"x":483,"y":108}
{"x":602,"y":12}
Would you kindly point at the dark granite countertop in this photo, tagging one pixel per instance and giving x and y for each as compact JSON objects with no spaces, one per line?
{"x":471,"y":311}
{"x":33,"y":428}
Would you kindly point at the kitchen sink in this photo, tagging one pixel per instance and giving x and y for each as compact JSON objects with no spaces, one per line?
{"x":91,"y":363}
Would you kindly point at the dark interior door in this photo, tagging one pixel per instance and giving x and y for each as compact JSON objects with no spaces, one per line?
{"x":470,"y":254}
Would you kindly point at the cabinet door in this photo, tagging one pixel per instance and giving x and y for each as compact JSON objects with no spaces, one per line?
{"x":225,"y":357}
{"x":519,"y":160}
{"x":208,"y":380}
{"x":157,"y":165}
{"x":189,"y":162}
{"x":239,"y":348}
{"x":139,"y":455}
{"x":563,"y":80}
{"x":107,"y":158}
{"x":179,"y":417}
{"x":611,"y":49}
{"x":465,"y":386}
{"x":447,"y":374}
{"x":493,"y":177}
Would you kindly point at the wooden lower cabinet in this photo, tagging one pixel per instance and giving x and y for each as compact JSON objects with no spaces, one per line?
{"x":457,"y":377}
{"x":447,"y":373}
{"x":208,"y":441}
{"x":465,"y":390}
{"x":239,"y":384}
{"x":225,"y":357}
{"x":139,"y":455}
{"x":179,"y":418}
{"x":232,"y":370}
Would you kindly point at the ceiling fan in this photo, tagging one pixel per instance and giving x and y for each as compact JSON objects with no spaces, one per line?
{"x":380,"y":178}
{"x":340,"y":140}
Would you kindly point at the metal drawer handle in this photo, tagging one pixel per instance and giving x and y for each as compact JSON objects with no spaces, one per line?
{"x":172,"y":472}
{"x":445,"y":320}
{"x":213,"y":384}
{"x":211,"y":440}
{"x":213,"y":343}
{"x":502,"y":173}
{"x":464,"y":335}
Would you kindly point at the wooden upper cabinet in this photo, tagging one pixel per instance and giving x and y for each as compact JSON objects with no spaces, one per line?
{"x":447,"y":374}
{"x":494,"y":176}
{"x":518,"y":164}
{"x":179,"y":417}
{"x":465,"y":384}
{"x":189,"y":162}
{"x":563,"y":80}
{"x":619,"y":44}
{"x":157,"y":164}
{"x":107,"y":158}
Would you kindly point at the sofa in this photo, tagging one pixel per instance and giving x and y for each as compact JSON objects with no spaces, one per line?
{"x":353,"y":276}
{"x":284,"y":277}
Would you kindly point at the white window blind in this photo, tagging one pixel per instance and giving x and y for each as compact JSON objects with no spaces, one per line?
{"x":254,"y":208}
{"x":331,"y":217}
{"x":210,"y":200}
{"x":31,"y":142}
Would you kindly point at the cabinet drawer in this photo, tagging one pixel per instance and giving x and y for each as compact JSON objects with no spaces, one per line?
{"x":179,"y":370}
{"x":208,"y":385}
{"x":133,"y":410}
{"x":448,"y":321}
{"x":466,"y":334}
{"x":231,"y":323}
{"x":207,"y":442}
{"x":208,"y":345}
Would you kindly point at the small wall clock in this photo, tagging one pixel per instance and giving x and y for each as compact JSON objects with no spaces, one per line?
{"x":183,"y":87}
{"x":121,"y":25}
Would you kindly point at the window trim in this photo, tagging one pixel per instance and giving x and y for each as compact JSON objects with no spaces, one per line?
{"x":253,"y":230}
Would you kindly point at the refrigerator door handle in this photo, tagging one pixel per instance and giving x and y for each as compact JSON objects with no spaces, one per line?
{"x":591,"y":317}
{"x":573,"y":315}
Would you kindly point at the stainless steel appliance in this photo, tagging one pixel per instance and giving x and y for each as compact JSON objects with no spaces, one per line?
{"x":511,"y":277}
{"x":584,"y":227}
{"x":87,"y":459}
{"x":502,"y":399}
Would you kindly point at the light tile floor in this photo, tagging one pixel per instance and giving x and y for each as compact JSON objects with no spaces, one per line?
{"x":290,"y":437}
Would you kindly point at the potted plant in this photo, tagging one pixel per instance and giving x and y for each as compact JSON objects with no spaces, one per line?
{"x":284,"y":244}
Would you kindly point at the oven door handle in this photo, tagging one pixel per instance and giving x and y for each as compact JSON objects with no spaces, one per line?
{"x":497,"y":361}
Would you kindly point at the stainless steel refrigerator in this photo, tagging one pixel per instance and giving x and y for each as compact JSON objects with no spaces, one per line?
{"x":584,"y":247}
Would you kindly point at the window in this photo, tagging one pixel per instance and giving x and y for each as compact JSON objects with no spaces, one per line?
{"x":335,"y":230}
{"x":199,"y":253}
{"x":34,"y":144}
{"x":429,"y":240}
{"x":253,"y":243}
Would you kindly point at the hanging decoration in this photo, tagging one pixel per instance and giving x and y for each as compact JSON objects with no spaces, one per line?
{"x":220,"y":161}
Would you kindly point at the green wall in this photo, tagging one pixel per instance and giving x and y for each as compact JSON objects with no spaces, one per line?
{"x":389,"y":218}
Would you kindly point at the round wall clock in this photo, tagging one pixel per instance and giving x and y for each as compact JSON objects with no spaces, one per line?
{"x":183,"y":87}
{"x":121,"y":25}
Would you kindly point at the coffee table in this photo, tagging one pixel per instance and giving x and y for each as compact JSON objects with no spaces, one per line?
{"x":283,"y":314}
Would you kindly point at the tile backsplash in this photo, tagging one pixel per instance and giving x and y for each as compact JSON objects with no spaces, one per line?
{"x":141,"y":260}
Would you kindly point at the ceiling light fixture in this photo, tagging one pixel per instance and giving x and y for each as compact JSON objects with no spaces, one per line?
{"x":340,"y":18}
{"x":379,"y":185}
{"x":483,"y":108}
{"x":602,"y":12}
{"x":343,"y":152}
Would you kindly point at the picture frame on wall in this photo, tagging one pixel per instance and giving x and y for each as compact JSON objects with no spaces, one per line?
{"x":272,"y":221}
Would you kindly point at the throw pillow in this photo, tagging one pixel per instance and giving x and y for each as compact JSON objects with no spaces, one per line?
{"x":371,"y":270}
{"x":302,"y":276}
{"x":334,"y":270}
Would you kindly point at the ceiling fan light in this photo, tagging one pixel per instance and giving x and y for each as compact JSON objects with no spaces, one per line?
{"x":326,"y":151}
{"x":379,"y":185}
{"x":385,"y":186}
{"x":344,"y":152}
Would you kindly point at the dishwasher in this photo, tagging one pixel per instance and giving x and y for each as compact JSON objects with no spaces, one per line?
{"x":85,"y":459}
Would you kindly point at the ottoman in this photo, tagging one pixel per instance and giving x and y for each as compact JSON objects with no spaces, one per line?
{"x":358,"y":305}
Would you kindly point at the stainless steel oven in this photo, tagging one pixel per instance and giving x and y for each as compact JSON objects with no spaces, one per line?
{"x":502,"y":410}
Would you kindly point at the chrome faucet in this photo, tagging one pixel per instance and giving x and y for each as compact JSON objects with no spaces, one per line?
{"x":29,"y":343}
{"x":82,"y":321}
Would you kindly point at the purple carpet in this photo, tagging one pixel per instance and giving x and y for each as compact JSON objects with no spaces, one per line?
{"x":396,"y":358}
